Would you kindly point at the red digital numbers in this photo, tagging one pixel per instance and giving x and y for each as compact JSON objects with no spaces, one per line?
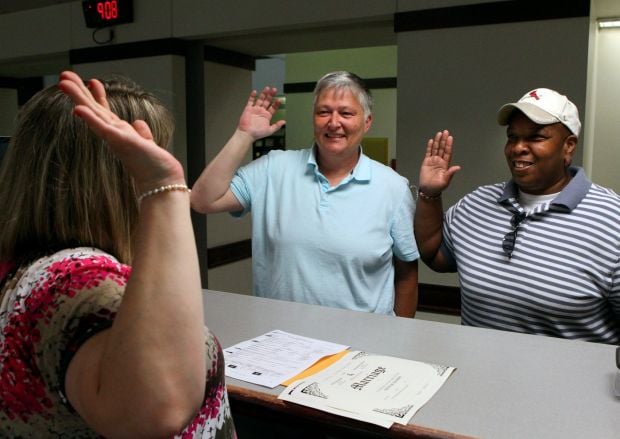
{"x":104,"y":13}
{"x":107,"y":10}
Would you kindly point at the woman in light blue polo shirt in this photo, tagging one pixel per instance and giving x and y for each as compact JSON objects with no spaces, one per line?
{"x":330,"y":226}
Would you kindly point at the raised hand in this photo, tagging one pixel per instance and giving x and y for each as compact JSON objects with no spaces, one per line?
{"x":150,"y":165}
{"x":436,"y":172}
{"x":256,"y":117}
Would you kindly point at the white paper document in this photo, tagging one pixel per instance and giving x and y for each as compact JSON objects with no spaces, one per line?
{"x":274,"y":357}
{"x":373,"y":388}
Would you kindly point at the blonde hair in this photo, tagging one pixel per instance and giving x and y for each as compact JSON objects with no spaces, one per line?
{"x":61,"y":186}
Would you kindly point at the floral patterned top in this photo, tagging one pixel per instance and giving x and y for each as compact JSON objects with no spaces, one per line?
{"x":47,"y":310}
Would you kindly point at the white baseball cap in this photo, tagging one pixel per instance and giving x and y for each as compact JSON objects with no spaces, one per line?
{"x":544,"y":106}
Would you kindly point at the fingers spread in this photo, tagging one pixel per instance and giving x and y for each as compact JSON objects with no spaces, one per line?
{"x":266,"y":99}
{"x":76,"y":91}
{"x":275,"y":104}
{"x":260,"y":101}
{"x":441,"y":144}
{"x":252,"y":98}
{"x":143,"y":129}
{"x":279,"y":124}
{"x":98,"y":92}
{"x":435,"y":143}
{"x":429,"y":147}
{"x":92,"y":120}
{"x":72,"y":85}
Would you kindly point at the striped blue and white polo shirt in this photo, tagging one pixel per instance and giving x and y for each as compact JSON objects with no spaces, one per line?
{"x":563,"y":276}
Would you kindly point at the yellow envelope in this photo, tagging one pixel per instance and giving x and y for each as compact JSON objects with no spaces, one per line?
{"x":317,"y":367}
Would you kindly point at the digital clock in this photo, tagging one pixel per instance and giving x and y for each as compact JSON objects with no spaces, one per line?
{"x":103,"y":13}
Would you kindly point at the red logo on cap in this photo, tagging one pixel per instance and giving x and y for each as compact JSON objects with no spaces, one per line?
{"x":534,"y":95}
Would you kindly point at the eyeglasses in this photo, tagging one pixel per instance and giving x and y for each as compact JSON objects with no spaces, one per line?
{"x":508,"y":244}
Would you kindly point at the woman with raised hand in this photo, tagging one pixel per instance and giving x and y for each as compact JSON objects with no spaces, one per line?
{"x":90,"y":345}
{"x":330,"y":226}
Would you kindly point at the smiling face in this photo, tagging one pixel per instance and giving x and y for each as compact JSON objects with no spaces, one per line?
{"x":538,"y":156}
{"x":339,"y":123}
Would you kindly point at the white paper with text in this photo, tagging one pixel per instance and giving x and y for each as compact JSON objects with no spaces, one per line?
{"x":374,"y":388}
{"x":274,"y":357}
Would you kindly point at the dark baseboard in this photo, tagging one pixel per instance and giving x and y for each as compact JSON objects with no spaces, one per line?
{"x":439,"y":299}
{"x":229,"y":253}
{"x":489,"y":13}
{"x":159,"y":47}
{"x":371,"y":83}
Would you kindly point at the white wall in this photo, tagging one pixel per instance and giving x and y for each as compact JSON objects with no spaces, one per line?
{"x":234,"y":278}
{"x":212,"y":17}
{"x":227,"y":90}
{"x":270,"y":72}
{"x":36,"y":32}
{"x":61,"y":27}
{"x":56,"y":29}
{"x":458,"y":78}
{"x":603,"y":117}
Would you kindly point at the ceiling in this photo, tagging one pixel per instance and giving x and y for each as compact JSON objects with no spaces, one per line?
{"x":357,"y":35}
{"x":7,"y":6}
{"x":43,"y":65}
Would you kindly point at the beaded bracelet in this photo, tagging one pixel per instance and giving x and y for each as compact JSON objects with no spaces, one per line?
{"x":168,"y":187}
{"x":429,"y":197}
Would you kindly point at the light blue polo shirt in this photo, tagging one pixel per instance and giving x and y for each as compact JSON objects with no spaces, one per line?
{"x":323,"y":245}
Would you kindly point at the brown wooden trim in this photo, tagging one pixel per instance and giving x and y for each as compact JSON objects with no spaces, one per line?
{"x":26,"y":87}
{"x":141,"y":49}
{"x":315,"y":423}
{"x":308,"y":87}
{"x":229,"y":253}
{"x":490,"y":13}
{"x":8,"y":82}
{"x":230,"y":58}
{"x":164,"y":46}
{"x":440,"y":299}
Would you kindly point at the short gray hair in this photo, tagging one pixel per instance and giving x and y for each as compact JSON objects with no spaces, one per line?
{"x":342,"y":79}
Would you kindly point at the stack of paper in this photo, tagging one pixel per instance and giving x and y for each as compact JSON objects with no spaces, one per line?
{"x":273,"y":358}
{"x":372,"y":388}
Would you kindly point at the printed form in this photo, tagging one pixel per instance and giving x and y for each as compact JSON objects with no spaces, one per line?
{"x":274,"y":357}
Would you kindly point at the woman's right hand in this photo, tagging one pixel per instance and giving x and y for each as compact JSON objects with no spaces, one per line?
{"x":150,"y":165}
{"x":436,"y":172}
{"x":258,"y":112}
{"x":152,"y":361}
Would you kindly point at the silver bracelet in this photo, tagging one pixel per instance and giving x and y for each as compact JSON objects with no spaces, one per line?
{"x":417,"y":193}
{"x":428,"y":197}
{"x":166,"y":188}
